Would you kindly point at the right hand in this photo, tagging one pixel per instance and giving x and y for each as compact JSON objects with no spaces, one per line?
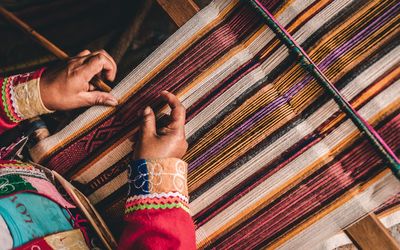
{"x":68,"y":87}
{"x":165,"y":142}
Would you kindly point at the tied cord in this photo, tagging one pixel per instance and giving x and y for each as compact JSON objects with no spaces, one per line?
{"x":77,"y":220}
{"x":14,"y":149}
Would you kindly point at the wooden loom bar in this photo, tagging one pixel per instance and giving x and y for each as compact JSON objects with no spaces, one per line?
{"x":369,"y":233}
{"x":179,"y":10}
{"x":47,"y":44}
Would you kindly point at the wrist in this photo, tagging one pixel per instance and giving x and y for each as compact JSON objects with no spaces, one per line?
{"x":47,"y":95}
{"x":157,"y":184}
{"x":21,"y":96}
{"x":162,"y":175}
{"x":148,"y":149}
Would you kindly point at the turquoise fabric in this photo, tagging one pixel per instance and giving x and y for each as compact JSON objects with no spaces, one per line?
{"x":30,"y":216}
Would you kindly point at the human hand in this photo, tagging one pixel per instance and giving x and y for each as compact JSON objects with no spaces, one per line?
{"x":166,"y":142}
{"x":68,"y":87}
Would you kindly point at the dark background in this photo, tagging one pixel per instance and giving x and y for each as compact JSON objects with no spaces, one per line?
{"x":74,"y":25}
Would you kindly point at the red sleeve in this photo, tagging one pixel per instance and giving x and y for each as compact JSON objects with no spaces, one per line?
{"x":156,"y":212}
{"x":20,"y":99}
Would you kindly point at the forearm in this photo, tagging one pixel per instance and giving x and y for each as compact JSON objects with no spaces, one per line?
{"x":20,"y":99}
{"x":157,"y":211}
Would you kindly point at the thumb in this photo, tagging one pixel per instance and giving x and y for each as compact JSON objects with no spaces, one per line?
{"x":149,"y":122}
{"x":99,"y":98}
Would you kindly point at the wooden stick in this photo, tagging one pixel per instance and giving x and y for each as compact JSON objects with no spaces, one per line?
{"x":131,"y":32}
{"x":179,"y":10}
{"x":89,"y":211}
{"x":47,"y":44}
{"x":369,"y":234}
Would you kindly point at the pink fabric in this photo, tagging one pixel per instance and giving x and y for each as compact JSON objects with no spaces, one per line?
{"x":46,"y":188}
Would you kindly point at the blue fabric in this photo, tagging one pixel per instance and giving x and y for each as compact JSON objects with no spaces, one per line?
{"x":30,"y":216}
{"x":138,"y":177}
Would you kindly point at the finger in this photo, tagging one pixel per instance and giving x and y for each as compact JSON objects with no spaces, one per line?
{"x":178,"y":112}
{"x":83,"y":53}
{"x":149,"y":123}
{"x":91,"y":87}
{"x":96,"y":64}
{"x":163,"y":131}
{"x":109,"y":58}
{"x":80,"y":57}
{"x":98,"y":98}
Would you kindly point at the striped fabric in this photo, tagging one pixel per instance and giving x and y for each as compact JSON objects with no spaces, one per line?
{"x":273,"y":161}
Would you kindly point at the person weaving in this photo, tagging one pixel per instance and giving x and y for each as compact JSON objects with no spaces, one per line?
{"x":33,"y":213}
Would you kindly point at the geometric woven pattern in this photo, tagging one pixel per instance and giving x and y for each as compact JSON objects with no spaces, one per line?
{"x":273,"y":161}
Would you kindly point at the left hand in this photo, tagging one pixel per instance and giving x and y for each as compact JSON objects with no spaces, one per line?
{"x":68,"y":87}
{"x":166,"y":142}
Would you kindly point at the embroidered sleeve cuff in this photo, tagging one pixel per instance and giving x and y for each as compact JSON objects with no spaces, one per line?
{"x":157,"y":184}
{"x":21,"y":96}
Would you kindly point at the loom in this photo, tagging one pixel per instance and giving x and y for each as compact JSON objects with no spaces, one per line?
{"x":276,"y":159}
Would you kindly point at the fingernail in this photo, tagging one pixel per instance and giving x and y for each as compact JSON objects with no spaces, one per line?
{"x":146,"y":111}
{"x":112,"y":102}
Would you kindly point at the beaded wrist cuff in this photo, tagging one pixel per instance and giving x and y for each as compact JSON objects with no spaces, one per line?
{"x":157,"y":184}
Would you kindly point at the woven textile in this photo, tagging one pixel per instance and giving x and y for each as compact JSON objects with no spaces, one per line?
{"x":273,"y":161}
